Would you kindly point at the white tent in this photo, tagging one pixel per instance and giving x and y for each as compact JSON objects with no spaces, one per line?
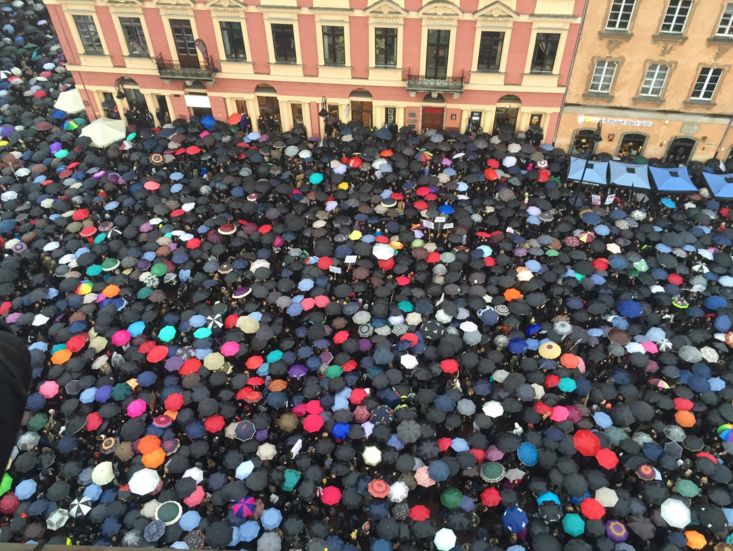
{"x":69,"y":101}
{"x":104,"y":132}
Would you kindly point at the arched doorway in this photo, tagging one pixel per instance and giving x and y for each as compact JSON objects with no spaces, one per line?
{"x":507,"y":112}
{"x":361,"y":108}
{"x":632,"y":145}
{"x":680,"y":151}
{"x":269,"y":120}
{"x":433,"y":115}
{"x":584,"y":142}
{"x":136,"y":111}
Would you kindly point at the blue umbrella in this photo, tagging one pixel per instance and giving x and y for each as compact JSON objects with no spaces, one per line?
{"x":25,"y":489}
{"x":715,"y":302}
{"x":629,"y":309}
{"x":517,"y":346}
{"x":271,"y":518}
{"x":249,"y":531}
{"x":527,"y":454}
{"x":190,"y":520}
{"x":340,"y":431}
{"x":446,"y":209}
{"x":315,"y":178}
{"x":208,"y":122}
{"x":438,"y":471}
{"x":515,"y":520}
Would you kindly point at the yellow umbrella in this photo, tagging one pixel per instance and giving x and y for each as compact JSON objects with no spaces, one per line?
{"x":550,"y":350}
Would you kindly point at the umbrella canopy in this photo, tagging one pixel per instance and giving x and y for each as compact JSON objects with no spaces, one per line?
{"x":69,"y":101}
{"x":629,"y":175}
{"x":104,"y":132}
{"x":586,"y":171}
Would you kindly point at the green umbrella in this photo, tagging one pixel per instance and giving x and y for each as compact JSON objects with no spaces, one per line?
{"x":6,"y":484}
{"x":94,"y":270}
{"x":406,"y":306}
{"x":333,"y":371}
{"x":131,"y":136}
{"x":167,"y":333}
{"x":202,"y":333}
{"x":145,"y":292}
{"x":274,"y":356}
{"x":121,"y":391}
{"x":61,"y":154}
{"x":687,"y":488}
{"x":492,"y":472}
{"x":37,"y":422}
{"x":291,"y":477}
{"x":159,"y":269}
{"x":573,"y":524}
{"x":451,"y":498}
{"x":109,"y":264}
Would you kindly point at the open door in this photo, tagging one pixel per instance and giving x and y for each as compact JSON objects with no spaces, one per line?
{"x":185,"y":43}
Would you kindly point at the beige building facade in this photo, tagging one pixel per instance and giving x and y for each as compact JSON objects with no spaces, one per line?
{"x":657,"y":75}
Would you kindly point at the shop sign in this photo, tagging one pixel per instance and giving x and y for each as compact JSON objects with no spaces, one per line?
{"x":638,"y":123}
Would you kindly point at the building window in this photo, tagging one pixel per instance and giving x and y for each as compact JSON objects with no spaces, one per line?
{"x":619,"y":17}
{"x":584,"y":142}
{"x":283,"y":41}
{"x":334,"y":46}
{"x":545,"y":50}
{"x":233,"y":40}
{"x":656,"y":76}
{"x":602,"y":78}
{"x":725,"y":28}
{"x":296,"y":110}
{"x":88,"y":34}
{"x":132,"y":29}
{"x":676,"y":16}
{"x":631,"y":145}
{"x":489,"y":51}
{"x":385,"y":47}
{"x":707,"y":82}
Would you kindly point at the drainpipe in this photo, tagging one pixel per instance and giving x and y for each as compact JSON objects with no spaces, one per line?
{"x":570,"y":73}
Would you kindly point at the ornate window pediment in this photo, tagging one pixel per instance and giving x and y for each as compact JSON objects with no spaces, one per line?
{"x":440,"y":9}
{"x":226,"y":4}
{"x":131,"y":3}
{"x":174,"y":3}
{"x":497,"y":10}
{"x":385,"y":8}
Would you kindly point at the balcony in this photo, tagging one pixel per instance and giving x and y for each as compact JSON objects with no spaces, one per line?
{"x":172,"y":70}
{"x":421,"y":83}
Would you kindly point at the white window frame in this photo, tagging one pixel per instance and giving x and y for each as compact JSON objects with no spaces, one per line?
{"x":653,"y":80}
{"x":707,"y":79}
{"x":619,"y":6}
{"x":603,"y":82}
{"x":674,"y":8}
{"x":725,"y":26}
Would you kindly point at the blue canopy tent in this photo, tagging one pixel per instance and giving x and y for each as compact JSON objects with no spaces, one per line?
{"x":630,"y":175}
{"x":672,"y":180}
{"x":596,"y":172}
{"x":720,"y":184}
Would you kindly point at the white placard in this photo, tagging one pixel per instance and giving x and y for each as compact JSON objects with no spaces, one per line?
{"x":596,"y":199}
{"x":439,"y":219}
{"x":350,"y":259}
{"x":334,"y":269}
{"x":448,"y":226}
{"x":197,"y":100}
{"x":428,"y":224}
{"x":610,"y":199}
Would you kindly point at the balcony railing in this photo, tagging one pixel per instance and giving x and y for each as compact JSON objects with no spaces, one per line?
{"x":169,"y":69}
{"x":421,"y":83}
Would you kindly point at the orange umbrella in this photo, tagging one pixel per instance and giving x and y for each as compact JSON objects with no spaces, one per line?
{"x":277,"y":385}
{"x":154,"y":459}
{"x":234,"y":118}
{"x":512,"y":294}
{"x":695,"y":540}
{"x":61,"y":356}
{"x":148,"y":444}
{"x":111,"y":291}
{"x":685,"y":419}
{"x":570,"y":361}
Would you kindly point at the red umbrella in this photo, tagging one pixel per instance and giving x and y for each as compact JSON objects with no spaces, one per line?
{"x":214,"y":424}
{"x":254,"y":362}
{"x":355,"y":162}
{"x":174,"y":402}
{"x":378,"y":488}
{"x":607,"y":458}
{"x":8,"y":504}
{"x":76,"y":343}
{"x":341,"y":337}
{"x":157,"y":354}
{"x":80,"y":214}
{"x":591,"y":509}
{"x":314,"y":407}
{"x":313,"y":423}
{"x":196,"y":497}
{"x":419,"y":513}
{"x":94,"y":421}
{"x":586,"y":442}
{"x":193,"y":150}
{"x":249,"y":395}
{"x":491,"y":497}
{"x":449,"y":366}
{"x":331,"y":495}
{"x":190,"y":366}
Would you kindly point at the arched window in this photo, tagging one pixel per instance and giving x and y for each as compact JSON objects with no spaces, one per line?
{"x":632,"y":145}
{"x":584,"y":142}
{"x":680,"y":151}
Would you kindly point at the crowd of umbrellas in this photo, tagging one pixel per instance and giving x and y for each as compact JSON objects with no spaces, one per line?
{"x":371,"y":342}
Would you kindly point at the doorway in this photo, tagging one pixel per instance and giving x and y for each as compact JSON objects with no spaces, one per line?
{"x":162,"y":111}
{"x":361,"y":113}
{"x":680,"y":151}
{"x":474,"y":122}
{"x":505,"y":119}
{"x":432,"y":117}
{"x":185,"y":43}
{"x":269,"y":120}
{"x":436,"y":58}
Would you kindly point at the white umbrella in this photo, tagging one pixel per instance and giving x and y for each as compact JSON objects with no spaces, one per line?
{"x":144,"y":482}
{"x":69,"y":101}
{"x":80,"y":507}
{"x":244,"y":469}
{"x":445,"y":539}
{"x":493,"y":409}
{"x":266,"y":451}
{"x":408,"y":361}
{"x":676,"y":513}
{"x":57,"y":519}
{"x":383,"y":251}
{"x":372,"y":456}
{"x":195,"y":473}
{"x":103,"y":473}
{"x":259,"y":263}
{"x":606,"y":496}
{"x":105,"y":132}
{"x":398,"y":492}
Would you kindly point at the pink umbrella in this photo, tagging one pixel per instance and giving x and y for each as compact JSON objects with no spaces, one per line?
{"x":229,"y":348}
{"x":49,"y":389}
{"x":423,"y":478}
{"x":121,"y":337}
{"x":196,"y":497}
{"x":559,"y":414}
{"x":136,"y":408}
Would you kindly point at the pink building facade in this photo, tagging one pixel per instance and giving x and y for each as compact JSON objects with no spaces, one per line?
{"x":444,"y":64}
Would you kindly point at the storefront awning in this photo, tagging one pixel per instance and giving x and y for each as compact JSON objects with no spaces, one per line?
{"x":629,"y":175}
{"x":672,"y":180}
{"x":720,"y":184}
{"x":596,"y":172}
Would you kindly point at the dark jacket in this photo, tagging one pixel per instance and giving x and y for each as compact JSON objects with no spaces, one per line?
{"x":15,"y":380}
